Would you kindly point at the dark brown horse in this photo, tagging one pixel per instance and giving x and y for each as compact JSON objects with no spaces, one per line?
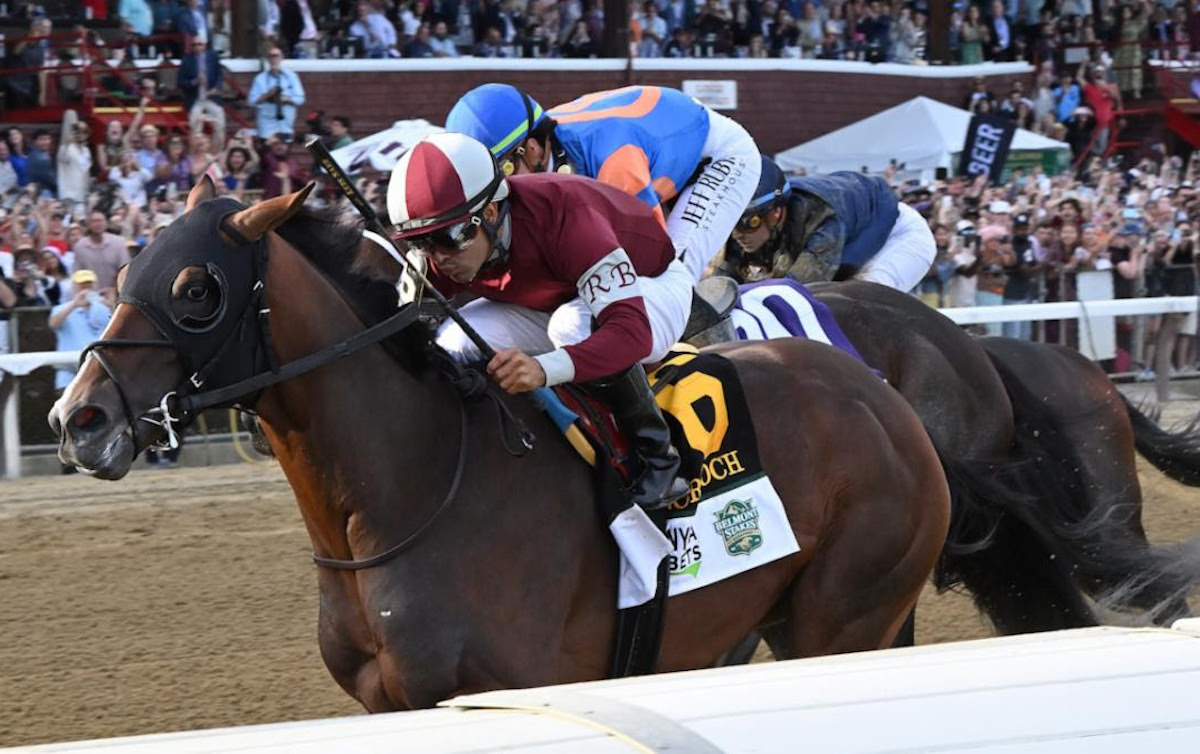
{"x":507,"y":578}
{"x":1058,"y":433}
{"x":1083,"y":436}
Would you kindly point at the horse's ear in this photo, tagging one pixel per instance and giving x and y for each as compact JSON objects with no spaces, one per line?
{"x":122,"y":273}
{"x":201,"y":192}
{"x":255,"y":222}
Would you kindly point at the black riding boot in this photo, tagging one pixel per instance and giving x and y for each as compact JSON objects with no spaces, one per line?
{"x":632,"y":402}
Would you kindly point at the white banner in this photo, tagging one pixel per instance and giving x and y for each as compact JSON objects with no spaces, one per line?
{"x":725,"y":535}
{"x":382,"y":151}
{"x":719,"y":95}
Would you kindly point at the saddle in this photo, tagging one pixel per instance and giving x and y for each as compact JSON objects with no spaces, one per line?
{"x":709,"y":322}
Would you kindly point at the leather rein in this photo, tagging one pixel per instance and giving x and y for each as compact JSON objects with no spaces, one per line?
{"x":180,"y":406}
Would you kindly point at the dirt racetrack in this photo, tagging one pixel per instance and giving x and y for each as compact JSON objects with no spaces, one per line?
{"x":185,"y":599}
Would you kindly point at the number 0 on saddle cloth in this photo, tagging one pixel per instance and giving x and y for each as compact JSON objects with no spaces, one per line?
{"x":732,"y":520}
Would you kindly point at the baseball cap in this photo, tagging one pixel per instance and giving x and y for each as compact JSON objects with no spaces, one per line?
{"x":1021,"y":219}
{"x":1000,"y":208}
{"x":83,"y":276}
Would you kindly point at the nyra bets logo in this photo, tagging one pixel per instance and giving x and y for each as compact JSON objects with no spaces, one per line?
{"x":737,"y":523}
{"x":685,"y":557}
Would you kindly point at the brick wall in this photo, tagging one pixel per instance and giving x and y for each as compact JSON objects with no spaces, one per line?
{"x":780,"y":108}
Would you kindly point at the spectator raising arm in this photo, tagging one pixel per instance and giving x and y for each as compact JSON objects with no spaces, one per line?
{"x":8,"y":299}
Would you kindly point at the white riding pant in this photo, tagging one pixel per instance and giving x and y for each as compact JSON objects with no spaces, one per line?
{"x":706,"y":212}
{"x":906,"y":256}
{"x":668,"y":300}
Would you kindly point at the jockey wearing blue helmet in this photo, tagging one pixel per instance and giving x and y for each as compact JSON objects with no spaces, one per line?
{"x":828,"y":227}
{"x":503,"y":118}
{"x":655,"y":143}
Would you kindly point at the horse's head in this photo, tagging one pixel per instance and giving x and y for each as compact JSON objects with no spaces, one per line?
{"x":188,"y":315}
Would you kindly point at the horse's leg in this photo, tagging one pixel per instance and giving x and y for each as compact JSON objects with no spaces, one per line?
{"x":348,"y":648}
{"x":742,"y":652}
{"x":907,"y":635}
{"x":852,"y":598}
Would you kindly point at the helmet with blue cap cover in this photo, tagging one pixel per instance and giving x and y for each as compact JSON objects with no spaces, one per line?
{"x":772,"y":191}
{"x":503,"y":118}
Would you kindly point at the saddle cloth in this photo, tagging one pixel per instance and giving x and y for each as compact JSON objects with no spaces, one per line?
{"x":732,"y":519}
{"x":781,"y":308}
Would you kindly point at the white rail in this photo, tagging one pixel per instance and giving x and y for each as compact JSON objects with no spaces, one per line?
{"x":1081,"y":691}
{"x":1072,"y":310}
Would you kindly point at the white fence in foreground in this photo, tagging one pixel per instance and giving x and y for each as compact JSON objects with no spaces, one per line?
{"x":1092,"y":690}
{"x":1097,"y":341}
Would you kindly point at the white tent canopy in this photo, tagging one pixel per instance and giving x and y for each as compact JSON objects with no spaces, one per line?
{"x":381,"y":151}
{"x":922,"y":133}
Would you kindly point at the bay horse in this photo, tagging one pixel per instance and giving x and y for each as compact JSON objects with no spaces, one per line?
{"x":503,"y":574}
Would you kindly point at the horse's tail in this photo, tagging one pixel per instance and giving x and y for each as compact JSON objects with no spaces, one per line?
{"x":1175,"y":453}
{"x":1103,"y":548}
{"x":1007,"y":553}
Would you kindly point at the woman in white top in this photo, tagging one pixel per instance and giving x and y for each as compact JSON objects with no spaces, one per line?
{"x":131,"y":179}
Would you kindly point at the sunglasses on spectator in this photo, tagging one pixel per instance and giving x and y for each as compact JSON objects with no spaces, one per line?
{"x":454,"y":238}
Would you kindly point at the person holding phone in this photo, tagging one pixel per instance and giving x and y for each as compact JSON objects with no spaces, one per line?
{"x":79,"y":321}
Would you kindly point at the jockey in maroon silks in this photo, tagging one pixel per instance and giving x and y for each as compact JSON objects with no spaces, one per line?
{"x":548,"y":255}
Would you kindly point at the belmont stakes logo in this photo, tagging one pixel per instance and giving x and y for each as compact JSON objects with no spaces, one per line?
{"x":737,"y":523}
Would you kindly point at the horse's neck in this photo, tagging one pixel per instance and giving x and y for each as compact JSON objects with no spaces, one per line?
{"x":336,"y":428}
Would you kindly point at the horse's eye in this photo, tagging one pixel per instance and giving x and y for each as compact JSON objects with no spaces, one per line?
{"x":197,"y":292}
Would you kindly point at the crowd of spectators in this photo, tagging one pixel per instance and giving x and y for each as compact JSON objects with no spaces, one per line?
{"x":1109,"y":231}
{"x":1062,"y":31}
{"x":870,"y":30}
{"x":53,"y":185}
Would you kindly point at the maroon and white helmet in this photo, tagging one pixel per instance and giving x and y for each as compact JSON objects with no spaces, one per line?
{"x":444,"y":179}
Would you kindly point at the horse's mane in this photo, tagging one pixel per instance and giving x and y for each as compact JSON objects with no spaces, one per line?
{"x":335,"y":247}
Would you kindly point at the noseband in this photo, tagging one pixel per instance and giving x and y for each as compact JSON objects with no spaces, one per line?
{"x":229,"y":350}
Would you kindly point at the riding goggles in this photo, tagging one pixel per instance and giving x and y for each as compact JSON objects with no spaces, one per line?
{"x":509,"y":163}
{"x":453,"y":238}
{"x":750,"y":222}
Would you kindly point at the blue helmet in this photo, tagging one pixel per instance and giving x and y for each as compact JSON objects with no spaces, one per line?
{"x":499,"y":115}
{"x":773,"y":187}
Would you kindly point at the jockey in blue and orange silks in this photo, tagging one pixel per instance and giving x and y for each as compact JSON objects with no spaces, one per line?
{"x":655,"y":143}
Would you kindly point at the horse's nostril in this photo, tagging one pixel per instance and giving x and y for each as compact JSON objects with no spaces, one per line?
{"x":87,"y":419}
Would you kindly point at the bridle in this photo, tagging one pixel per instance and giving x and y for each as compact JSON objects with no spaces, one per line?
{"x":235,"y":341}
{"x":242,"y":333}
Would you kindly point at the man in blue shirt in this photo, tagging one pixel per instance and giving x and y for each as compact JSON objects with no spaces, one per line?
{"x":39,"y":167}
{"x":79,"y":321}
{"x":275,"y":95}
